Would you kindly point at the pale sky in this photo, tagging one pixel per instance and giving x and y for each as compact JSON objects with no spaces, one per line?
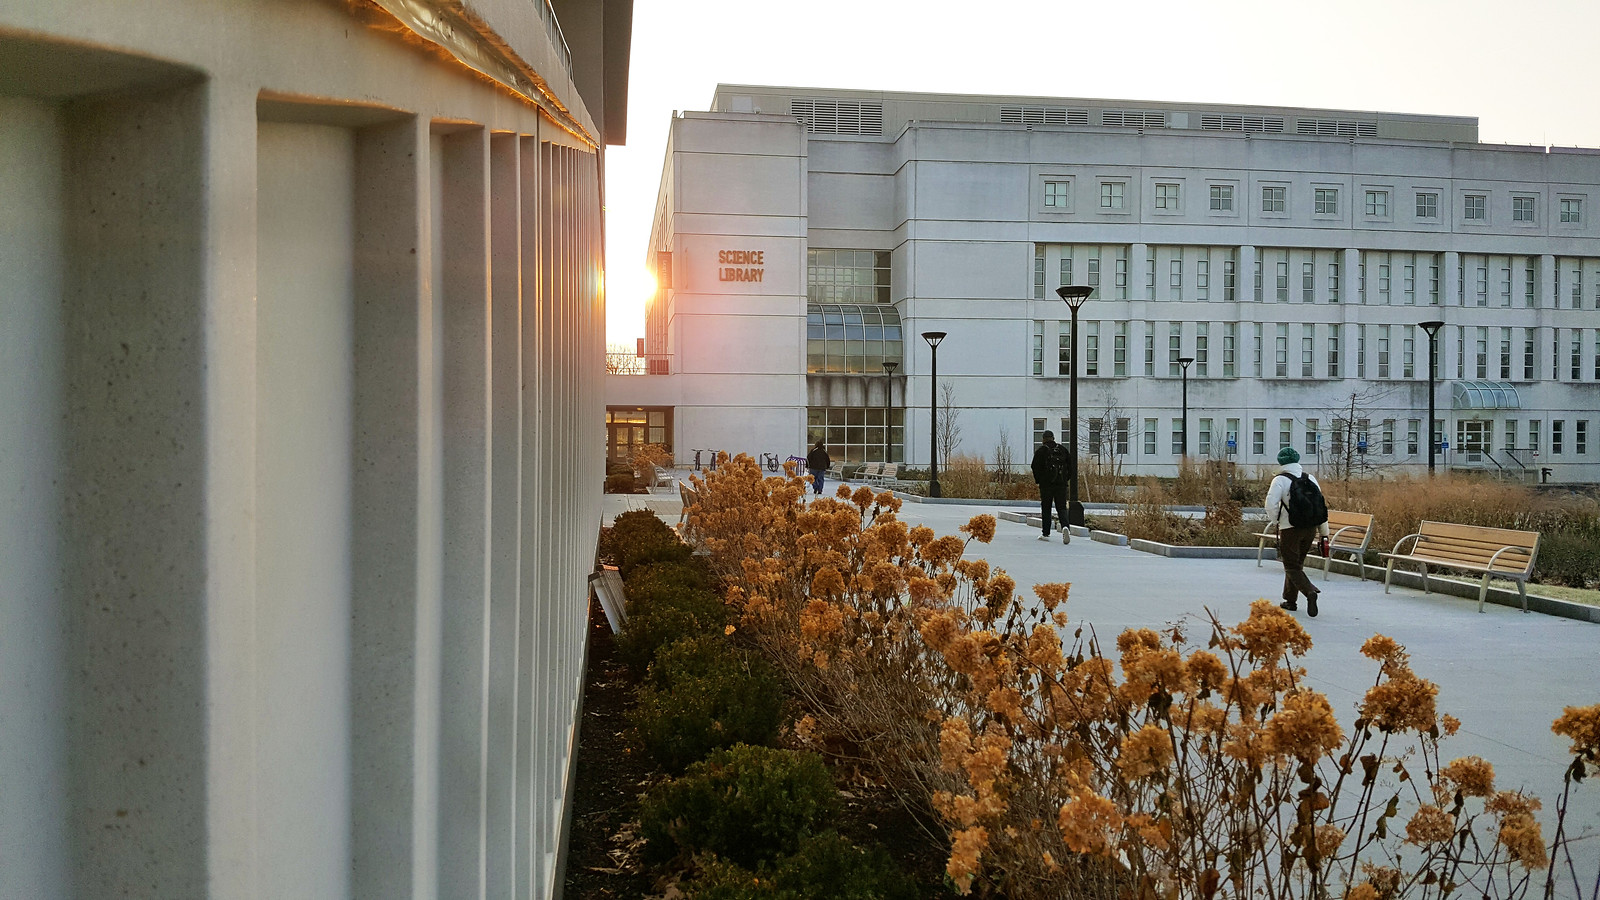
{"x":1525,"y":69}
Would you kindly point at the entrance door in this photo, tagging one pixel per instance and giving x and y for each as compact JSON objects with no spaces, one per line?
{"x":1474,"y":437}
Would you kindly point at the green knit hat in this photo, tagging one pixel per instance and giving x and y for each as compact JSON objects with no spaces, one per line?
{"x":1288,"y":455}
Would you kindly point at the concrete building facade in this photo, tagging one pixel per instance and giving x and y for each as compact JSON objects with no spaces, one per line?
{"x":804,"y":237}
{"x":301,"y":333}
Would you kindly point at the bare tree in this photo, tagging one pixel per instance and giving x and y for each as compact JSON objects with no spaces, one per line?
{"x":620,"y":360}
{"x":1351,"y":449}
{"x":1004,"y":456}
{"x":1105,"y":434}
{"x":947,"y":436}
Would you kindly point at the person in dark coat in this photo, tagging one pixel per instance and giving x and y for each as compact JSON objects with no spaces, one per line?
{"x":817,"y":463}
{"x":1052,"y":469}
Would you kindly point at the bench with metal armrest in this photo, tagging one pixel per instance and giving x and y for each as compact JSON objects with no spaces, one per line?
{"x":1348,"y":532}
{"x":1490,"y":552}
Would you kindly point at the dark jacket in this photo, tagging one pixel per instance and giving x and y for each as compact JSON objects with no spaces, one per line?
{"x":1052,"y":465}
{"x":817,"y":460}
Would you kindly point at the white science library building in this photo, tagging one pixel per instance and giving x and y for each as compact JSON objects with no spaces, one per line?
{"x":1260,"y":277}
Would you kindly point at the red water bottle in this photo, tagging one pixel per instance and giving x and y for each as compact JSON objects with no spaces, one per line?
{"x":1324,"y":541}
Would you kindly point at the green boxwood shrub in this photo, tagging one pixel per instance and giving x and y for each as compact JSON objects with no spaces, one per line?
{"x":702,"y":694}
{"x":646,"y":581}
{"x":621,"y":483}
{"x":638,"y":538}
{"x":671,"y":616}
{"x":1570,"y":557}
{"x":827,"y":867}
{"x":746,"y":804}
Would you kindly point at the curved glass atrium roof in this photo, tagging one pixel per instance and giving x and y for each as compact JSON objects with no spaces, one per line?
{"x":852,"y":338}
{"x":1484,"y":395}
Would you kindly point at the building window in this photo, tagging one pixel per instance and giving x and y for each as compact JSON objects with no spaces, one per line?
{"x":1325,"y":202}
{"x":1313,"y":437}
{"x":1378,"y":204}
{"x":1522,"y":209}
{"x":1408,"y":354}
{"x":1122,"y":437}
{"x":851,"y":338}
{"x":1229,"y":277}
{"x":1505,"y":354}
{"x":1038,"y":348}
{"x":1202,"y":279}
{"x":854,"y":434}
{"x":1274,"y":199}
{"x":1064,"y":348}
{"x":1111,"y":194}
{"x":1427,"y":205}
{"x":1091,"y":348}
{"x":1361,"y":351}
{"x":847,"y":276}
{"x":1577,"y":354}
{"x":1571,"y":211}
{"x":1333,"y":282}
{"x":1119,"y":277}
{"x":1409,"y":284}
{"x":1150,"y":348}
{"x":1204,"y":435}
{"x":1222,"y":198}
{"x":1283,"y":282}
{"x":1558,"y":429}
{"x":1202,"y":348}
{"x":1119,"y":351}
{"x":1533,"y":435}
{"x":1094,"y":272}
{"x":1580,"y":437}
{"x":1308,"y":282}
{"x":1230,"y":349}
{"x":1256,"y":351}
{"x":1433,"y":285}
{"x":1258,"y":281}
{"x":1387,"y":447}
{"x":1413,"y":436}
{"x":1333,"y":350}
{"x":1281,"y":351}
{"x":1177,"y":437}
{"x":1066,"y":269}
{"x":1055,"y":194}
{"x":1174,"y":348}
{"x":1038,"y":271}
{"x":1527,"y":354}
{"x":1383,"y":351}
{"x":1258,"y":436}
{"x":1529,"y":296}
{"x":1149,"y":437}
{"x":1038,"y":433}
{"x":1475,"y":207}
{"x":1308,"y":346}
{"x":1166,"y":196}
{"x":1175,"y":279}
{"x":1285,"y":432}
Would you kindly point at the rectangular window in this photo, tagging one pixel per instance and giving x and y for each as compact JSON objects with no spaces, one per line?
{"x":1150,"y":278}
{"x":1094,"y":272}
{"x":1572,"y":214}
{"x":1383,"y":351}
{"x":1555,"y":354}
{"x":1229,"y":277}
{"x":1111,"y":194}
{"x":1038,"y":433}
{"x":1285,"y":432}
{"x":1230,"y":349}
{"x":1150,"y":348}
{"x":1175,"y":279}
{"x":1222,"y":198}
{"x":1597,"y":354}
{"x":1202,"y":348}
{"x":1308,"y":351}
{"x":1413,"y":436}
{"x":1121,"y":266}
{"x":1511,"y":434}
{"x":1474,"y":207}
{"x":1333,"y":351}
{"x":1533,"y":435}
{"x":1522,"y":209}
{"x":1283,"y":282}
{"x":1203,"y":434}
{"x":1281,"y":352}
{"x":1408,"y":354}
{"x":1230,"y":435}
{"x":1038,"y":271}
{"x":1408,"y":284}
{"x":1530,"y":298}
{"x":1558,"y":435}
{"x":1258,"y":281}
{"x":1202,"y":279}
{"x":1066,"y":269}
{"x":1119,"y":351}
{"x":1333,"y":282}
{"x":1166,"y":196}
{"x":1055,"y":194}
{"x":1325,"y":202}
{"x":1505,"y":285}
{"x":1174,"y":349}
{"x":1427,"y":205}
{"x":1177,"y":437}
{"x":1387,"y":447}
{"x":1433,"y":285}
{"x":1378,"y":204}
{"x":1527,"y":354}
{"x":1038,"y":348}
{"x":1580,"y":437}
{"x":1149,"y":437}
{"x":1577,"y":289}
{"x":1505,"y":354}
{"x":1308,"y":282}
{"x":1256,"y":351}
{"x":1258,"y":436}
{"x":1361,"y":351}
{"x":1122,"y":437}
{"x":1313,"y":437}
{"x":1483,"y":285}
{"x":1274,"y":199}
{"x":1091,"y":349}
{"x":1064,"y":348}
{"x":1097,"y":434}
{"x":1577,"y":354}
{"x":1384,"y":283}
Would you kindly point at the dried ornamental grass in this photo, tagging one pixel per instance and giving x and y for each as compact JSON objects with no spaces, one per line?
{"x":1202,"y":772}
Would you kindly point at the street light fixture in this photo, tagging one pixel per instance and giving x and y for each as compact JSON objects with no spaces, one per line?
{"x":1432,"y":328}
{"x":933,"y":338}
{"x":1074,"y":295}
{"x":1185,"y":361}
{"x":888,"y":391}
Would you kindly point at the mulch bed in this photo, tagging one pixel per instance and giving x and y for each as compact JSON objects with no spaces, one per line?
{"x":612,"y":774}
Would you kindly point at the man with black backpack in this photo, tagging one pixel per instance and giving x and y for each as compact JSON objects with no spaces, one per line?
{"x":1295,"y":505}
{"x":1052,"y":469}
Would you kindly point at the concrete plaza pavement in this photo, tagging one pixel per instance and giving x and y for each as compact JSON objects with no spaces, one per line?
{"x":1505,"y":674}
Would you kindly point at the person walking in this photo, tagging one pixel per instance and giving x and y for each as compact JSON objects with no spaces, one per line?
{"x":1052,"y":467}
{"x":1290,"y":499}
{"x":817,"y":463}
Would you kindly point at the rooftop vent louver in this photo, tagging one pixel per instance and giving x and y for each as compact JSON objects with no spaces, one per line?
{"x":1336,"y":127}
{"x":1258,"y":124}
{"x":838,"y":116}
{"x":1132,"y":118}
{"x":1043,"y":115}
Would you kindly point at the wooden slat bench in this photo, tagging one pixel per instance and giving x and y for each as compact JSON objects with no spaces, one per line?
{"x":1491,"y":552}
{"x":1348,"y":532}
{"x":869,"y":472}
{"x":888,"y":475}
{"x":836,"y":472}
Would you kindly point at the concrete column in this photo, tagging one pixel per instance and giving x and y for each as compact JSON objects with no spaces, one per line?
{"x":1350,"y":280}
{"x":530,"y":652}
{"x":1246,"y":279}
{"x":505,"y":497}
{"x":394,"y":584}
{"x":1452,"y":279}
{"x":1138,"y":262}
{"x":462,"y":252}
{"x":1546,"y":287}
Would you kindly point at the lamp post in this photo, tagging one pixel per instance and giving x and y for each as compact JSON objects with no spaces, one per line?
{"x":1074,"y":295}
{"x":888,"y":392}
{"x":1185,"y":361}
{"x":1432,"y":328}
{"x":933,"y":338}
